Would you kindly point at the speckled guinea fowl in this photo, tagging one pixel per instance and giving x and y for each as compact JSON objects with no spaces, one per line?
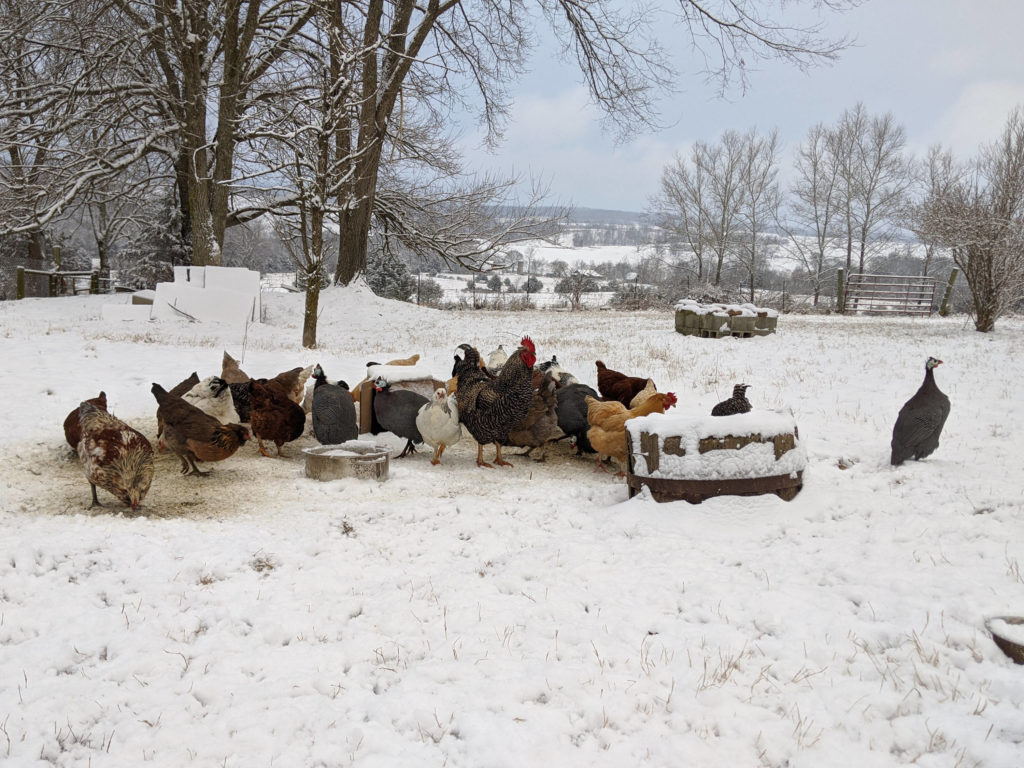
{"x":738,"y":403}
{"x":920,"y":421}
{"x":333,"y":411}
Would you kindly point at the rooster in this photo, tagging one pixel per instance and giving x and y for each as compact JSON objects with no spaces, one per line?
{"x":193,"y":435}
{"x":607,"y":433}
{"x":116,"y":457}
{"x":491,"y":408}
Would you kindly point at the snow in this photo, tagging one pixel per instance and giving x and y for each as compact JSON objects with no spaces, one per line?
{"x":724,"y":310}
{"x":525,"y":616}
{"x":394,"y":374}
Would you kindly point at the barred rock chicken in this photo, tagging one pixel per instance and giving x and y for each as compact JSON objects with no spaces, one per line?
{"x":491,"y":408}
{"x":920,"y":421}
{"x":396,"y":411}
{"x":177,"y":390}
{"x":213,"y":396}
{"x":438,"y":423}
{"x":274,"y":416}
{"x":334,"y":412}
{"x":540,"y":426}
{"x":607,"y":433}
{"x":116,"y":457}
{"x":614,"y":385}
{"x":572,"y":414}
{"x":738,"y":403}
{"x":193,"y":435}
{"x":72,"y":430}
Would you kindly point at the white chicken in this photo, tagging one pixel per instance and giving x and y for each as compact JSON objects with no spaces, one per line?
{"x":212,"y":395}
{"x":438,"y":423}
{"x":495,"y":360}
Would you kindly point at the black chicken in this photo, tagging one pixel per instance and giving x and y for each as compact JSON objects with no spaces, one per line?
{"x":333,"y":411}
{"x":920,"y":422}
{"x":491,"y":408}
{"x":738,"y":403}
{"x":395,"y":410}
{"x":572,"y":414}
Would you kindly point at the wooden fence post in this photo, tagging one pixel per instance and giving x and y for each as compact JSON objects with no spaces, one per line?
{"x":841,"y":289}
{"x":94,"y":282}
{"x":20,"y":289}
{"x":944,"y":307}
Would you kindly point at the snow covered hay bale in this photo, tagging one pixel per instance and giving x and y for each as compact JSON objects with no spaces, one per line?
{"x":355,"y":458}
{"x":1008,"y":633}
{"x":693,"y":456}
{"x":713,"y":321}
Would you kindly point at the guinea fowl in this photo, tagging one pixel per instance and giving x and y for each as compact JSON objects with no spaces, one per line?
{"x":334,"y":412}
{"x":572,"y":414}
{"x":920,"y":422}
{"x":738,"y":403}
{"x":396,"y":411}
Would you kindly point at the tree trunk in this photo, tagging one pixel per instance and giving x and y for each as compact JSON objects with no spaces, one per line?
{"x":310,"y":316}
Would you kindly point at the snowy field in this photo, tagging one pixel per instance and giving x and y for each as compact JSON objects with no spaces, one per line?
{"x":526,"y":616}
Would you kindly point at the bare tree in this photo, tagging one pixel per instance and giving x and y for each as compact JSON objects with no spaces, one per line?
{"x":814,"y":205}
{"x":977,"y":212}
{"x":617,"y":54}
{"x":679,"y":209}
{"x":874,"y":179}
{"x":759,"y":200}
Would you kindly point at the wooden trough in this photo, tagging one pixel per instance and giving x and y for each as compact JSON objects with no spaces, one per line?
{"x":355,"y":458}
{"x":688,"y":465}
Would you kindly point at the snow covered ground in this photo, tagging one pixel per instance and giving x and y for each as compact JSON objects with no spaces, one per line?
{"x":526,"y":616}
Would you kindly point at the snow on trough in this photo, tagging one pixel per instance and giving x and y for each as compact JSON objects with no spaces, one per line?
{"x":526,"y":616}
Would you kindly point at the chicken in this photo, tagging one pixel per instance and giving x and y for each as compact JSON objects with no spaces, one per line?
{"x":495,"y":359}
{"x":334,"y":413}
{"x":540,"y":426}
{"x":607,"y":433}
{"x":614,"y":385}
{"x":177,"y":390}
{"x":72,"y":429}
{"x":213,"y":396}
{"x":643,"y":394}
{"x":292,"y":383}
{"x":396,"y":411}
{"x":193,"y":435}
{"x":274,"y":416}
{"x":411,"y":360}
{"x":116,"y":457}
{"x":438,"y":423}
{"x":491,"y":408}
{"x":572,"y":414}
{"x":230,"y":372}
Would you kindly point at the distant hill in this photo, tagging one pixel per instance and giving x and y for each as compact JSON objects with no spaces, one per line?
{"x":605,"y":216}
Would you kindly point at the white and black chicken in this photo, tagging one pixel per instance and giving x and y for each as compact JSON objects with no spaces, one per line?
{"x":438,"y":423}
{"x":213,"y":396}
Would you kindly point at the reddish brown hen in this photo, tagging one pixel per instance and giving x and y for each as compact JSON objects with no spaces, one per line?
{"x":614,"y":385}
{"x":116,"y":457}
{"x":193,"y":435}
{"x":274,"y":416}
{"x":72,"y":430}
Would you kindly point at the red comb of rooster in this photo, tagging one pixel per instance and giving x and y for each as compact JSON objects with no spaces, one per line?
{"x":528,"y":343}
{"x":670,"y":399}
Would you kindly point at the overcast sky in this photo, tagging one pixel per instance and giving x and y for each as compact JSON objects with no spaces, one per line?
{"x":950,"y":71}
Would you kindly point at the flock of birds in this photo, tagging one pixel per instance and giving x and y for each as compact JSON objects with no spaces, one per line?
{"x":509,"y":400}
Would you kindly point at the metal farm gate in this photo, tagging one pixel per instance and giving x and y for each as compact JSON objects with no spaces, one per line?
{"x":889,"y":294}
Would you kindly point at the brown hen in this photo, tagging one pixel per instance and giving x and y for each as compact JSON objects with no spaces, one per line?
{"x":193,"y":435}
{"x":273,"y":416}
{"x":72,"y":429}
{"x":116,"y":457}
{"x":614,"y":385}
{"x":607,"y":433}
